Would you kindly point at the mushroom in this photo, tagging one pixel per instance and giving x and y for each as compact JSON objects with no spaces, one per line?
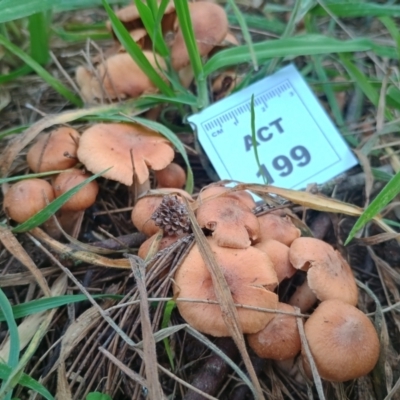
{"x":165,"y":242}
{"x":130,"y":149}
{"x":279,"y":255}
{"x":231,"y":222}
{"x":55,"y":150}
{"x":212,"y":191}
{"x":279,"y":339}
{"x":145,"y":208}
{"x":329,"y":276}
{"x":72,"y":210}
{"x":172,"y":176}
{"x":250,"y":276}
{"x":210,"y":26}
{"x":119,"y":77}
{"x":26,"y":198}
{"x":279,"y":228}
{"x":342,"y":340}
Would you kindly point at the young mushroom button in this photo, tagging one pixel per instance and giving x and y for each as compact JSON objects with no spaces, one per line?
{"x":128,"y":148}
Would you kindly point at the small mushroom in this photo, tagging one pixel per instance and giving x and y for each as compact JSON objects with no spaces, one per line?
{"x":128,"y":148}
{"x":329,"y":276}
{"x":55,"y":150}
{"x":165,"y":242}
{"x":279,"y":339}
{"x":250,"y":276}
{"x":145,"y":207}
{"x":342,"y":340}
{"x":231,"y":222}
{"x":210,"y":26}
{"x":72,"y":211}
{"x":279,"y":228}
{"x":26,"y":198}
{"x":119,"y":77}
{"x":172,"y":176}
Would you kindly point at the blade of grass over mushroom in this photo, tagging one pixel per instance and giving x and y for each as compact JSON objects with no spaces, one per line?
{"x":245,"y":32}
{"x":39,"y":37}
{"x":53,"y":207}
{"x":185,"y":23}
{"x":294,"y":46}
{"x":29,"y":176}
{"x":224,"y":298}
{"x":48,"y":303}
{"x":13,"y":357}
{"x":49,"y":79}
{"x":155,"y":126}
{"x":135,"y":52}
{"x":147,"y":17}
{"x":26,"y":381}
{"x":385,"y":196}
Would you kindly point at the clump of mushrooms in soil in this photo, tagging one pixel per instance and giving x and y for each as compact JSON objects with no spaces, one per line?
{"x":257,"y":253}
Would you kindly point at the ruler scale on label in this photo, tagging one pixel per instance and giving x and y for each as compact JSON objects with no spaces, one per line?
{"x":297,"y":144}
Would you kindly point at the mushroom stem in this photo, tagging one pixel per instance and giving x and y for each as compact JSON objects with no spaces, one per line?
{"x":303,"y":297}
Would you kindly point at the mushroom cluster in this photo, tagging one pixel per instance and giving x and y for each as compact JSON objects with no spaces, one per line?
{"x":256,"y":254}
{"x":117,"y":76}
{"x":127,"y":151}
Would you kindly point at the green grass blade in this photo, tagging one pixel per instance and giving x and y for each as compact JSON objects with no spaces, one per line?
{"x":48,"y":303}
{"x":169,"y":307}
{"x":245,"y":32}
{"x":53,"y":82}
{"x":98,"y":396}
{"x":393,"y":29}
{"x":39,"y":36}
{"x":53,"y":207}
{"x":14,"y":336}
{"x":294,"y":46}
{"x":261,"y":23}
{"x":28,"y":176}
{"x":175,"y":141}
{"x":70,"y":36}
{"x":12,"y":9}
{"x":356,"y":9}
{"x":12,"y":131}
{"x":362,"y":81}
{"x":22,"y":71}
{"x":387,"y":194}
{"x":26,"y":381}
{"x":135,"y":52}
{"x":185,"y":24}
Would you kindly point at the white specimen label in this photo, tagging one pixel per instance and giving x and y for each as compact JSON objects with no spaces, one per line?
{"x":296,"y":142}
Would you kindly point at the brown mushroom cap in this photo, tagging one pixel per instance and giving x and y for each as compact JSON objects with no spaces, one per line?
{"x":342,"y":340}
{"x":54,"y":150}
{"x":248,"y":273}
{"x":81,"y":200}
{"x":231,"y":222}
{"x":118,"y":145}
{"x":280,"y":339}
{"x":210,"y":26}
{"x":329,"y":276}
{"x":216,"y":190}
{"x":279,"y":255}
{"x":172,"y":176}
{"x":165,"y":242}
{"x":120,"y":77}
{"x":26,"y":198}
{"x":282,"y":229}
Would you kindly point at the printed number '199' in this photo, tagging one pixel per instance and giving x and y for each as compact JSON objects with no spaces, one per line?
{"x":284,"y":165}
